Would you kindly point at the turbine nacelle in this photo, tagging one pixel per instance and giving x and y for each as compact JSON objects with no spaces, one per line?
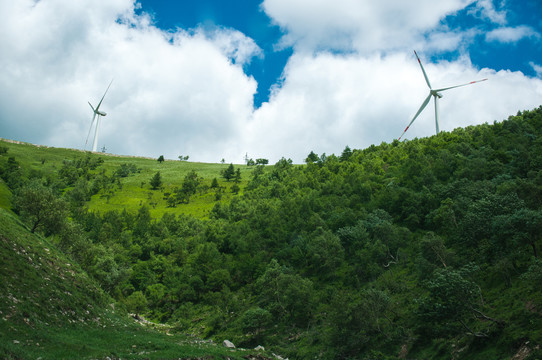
{"x":96,"y":111}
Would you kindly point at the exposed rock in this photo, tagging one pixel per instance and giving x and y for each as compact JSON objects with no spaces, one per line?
{"x":259,"y":348}
{"x":524,"y":351}
{"x":228,"y":344}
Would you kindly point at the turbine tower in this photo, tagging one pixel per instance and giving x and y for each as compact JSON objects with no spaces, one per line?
{"x":435,"y":93}
{"x":97,"y":114}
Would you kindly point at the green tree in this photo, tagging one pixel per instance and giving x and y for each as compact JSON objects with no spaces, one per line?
{"x":454,"y":300}
{"x":214,"y":183}
{"x":40,"y":208}
{"x":311,"y":158}
{"x":161,"y":159}
{"x":285,"y":294}
{"x":228,"y":173}
{"x":346,"y":154}
{"x":136,"y":303}
{"x":255,"y":320}
{"x":156,"y":181}
{"x":523,"y":227}
{"x":237,"y":177}
{"x":190,"y":183}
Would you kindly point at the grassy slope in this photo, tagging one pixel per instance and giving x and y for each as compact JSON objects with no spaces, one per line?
{"x":50,"y":309}
{"x":135,"y":190}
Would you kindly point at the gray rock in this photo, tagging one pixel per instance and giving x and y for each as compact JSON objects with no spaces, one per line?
{"x":228,"y":344}
{"x":259,"y":348}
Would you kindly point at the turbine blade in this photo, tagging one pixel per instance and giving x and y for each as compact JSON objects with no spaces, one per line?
{"x":100,"y":103}
{"x":92,"y":123}
{"x":423,"y":70}
{"x":424,"y":104}
{"x":453,"y":87}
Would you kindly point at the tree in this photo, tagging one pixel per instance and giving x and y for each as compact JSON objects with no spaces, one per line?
{"x":262,"y":161}
{"x":346,"y":154}
{"x":156,"y":181}
{"x":190,"y":184}
{"x":255,"y":320}
{"x":136,"y":302}
{"x":228,"y":173}
{"x":285,"y":294}
{"x":40,"y":208}
{"x":237,"y":177}
{"x":311,"y":158}
{"x":161,"y":159}
{"x":214,"y":183}
{"x":453,"y":299}
{"x":522,"y":227}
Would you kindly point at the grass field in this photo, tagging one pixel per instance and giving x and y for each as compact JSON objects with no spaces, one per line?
{"x":134,"y":191}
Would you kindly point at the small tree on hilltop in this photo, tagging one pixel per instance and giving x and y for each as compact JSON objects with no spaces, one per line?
{"x":161,"y":159}
{"x":311,"y":158}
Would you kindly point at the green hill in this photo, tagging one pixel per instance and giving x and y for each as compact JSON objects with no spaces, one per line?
{"x":428,"y":248}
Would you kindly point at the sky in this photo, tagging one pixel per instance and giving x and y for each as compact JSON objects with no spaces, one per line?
{"x":216,"y":79}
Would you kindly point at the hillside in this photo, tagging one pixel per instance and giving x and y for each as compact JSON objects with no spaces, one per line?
{"x":50,"y":309}
{"x":428,"y":248}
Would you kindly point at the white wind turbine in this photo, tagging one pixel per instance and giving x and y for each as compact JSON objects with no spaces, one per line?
{"x":97,"y":113}
{"x":435,"y":93}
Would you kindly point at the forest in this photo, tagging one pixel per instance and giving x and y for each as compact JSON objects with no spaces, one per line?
{"x":426,"y":248}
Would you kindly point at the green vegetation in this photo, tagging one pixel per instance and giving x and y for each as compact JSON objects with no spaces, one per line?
{"x":422,"y":249}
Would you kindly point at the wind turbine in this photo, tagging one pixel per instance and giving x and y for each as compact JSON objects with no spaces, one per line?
{"x":435,"y":93}
{"x":97,"y":113}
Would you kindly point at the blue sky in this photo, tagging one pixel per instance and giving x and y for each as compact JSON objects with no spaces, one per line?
{"x":267,"y":78}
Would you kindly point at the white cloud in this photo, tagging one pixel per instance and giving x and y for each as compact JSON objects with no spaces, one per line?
{"x":485,"y":9}
{"x":511,"y":34}
{"x":329,"y":101}
{"x":362,"y":25}
{"x":537,"y":68}
{"x":173,"y":93}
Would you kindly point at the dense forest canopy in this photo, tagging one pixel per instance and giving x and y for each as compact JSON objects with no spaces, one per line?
{"x":415,"y":249}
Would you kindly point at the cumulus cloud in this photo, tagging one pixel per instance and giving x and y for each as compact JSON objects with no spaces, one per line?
{"x":174,"y":93}
{"x":362,"y":25}
{"x":485,"y":9}
{"x":511,"y":34}
{"x":329,"y":101}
